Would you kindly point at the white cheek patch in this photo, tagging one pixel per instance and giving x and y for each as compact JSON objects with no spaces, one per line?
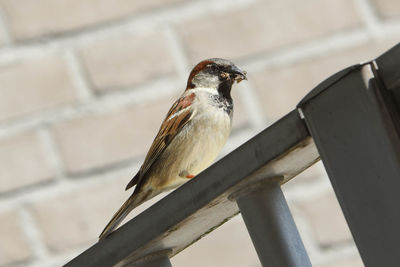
{"x":206,"y":80}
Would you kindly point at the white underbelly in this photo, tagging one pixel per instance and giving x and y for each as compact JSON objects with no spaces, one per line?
{"x":200,"y":143}
{"x":209,"y":135}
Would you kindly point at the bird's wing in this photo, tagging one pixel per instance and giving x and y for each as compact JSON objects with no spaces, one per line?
{"x":178,"y":116}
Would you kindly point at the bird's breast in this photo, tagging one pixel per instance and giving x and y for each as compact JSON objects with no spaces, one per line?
{"x":196,"y":146}
{"x":207,"y":133}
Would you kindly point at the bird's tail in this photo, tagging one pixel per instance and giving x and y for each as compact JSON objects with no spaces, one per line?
{"x":132,"y":202}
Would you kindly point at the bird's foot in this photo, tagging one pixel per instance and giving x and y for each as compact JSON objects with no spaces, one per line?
{"x":186,"y":174}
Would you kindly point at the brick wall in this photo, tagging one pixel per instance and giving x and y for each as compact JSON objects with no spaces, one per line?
{"x":84,"y":86}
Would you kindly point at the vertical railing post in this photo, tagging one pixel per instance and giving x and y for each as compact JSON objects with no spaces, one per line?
{"x":271,"y":225}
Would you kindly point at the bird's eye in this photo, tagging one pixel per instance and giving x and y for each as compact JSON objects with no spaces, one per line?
{"x":214,"y":67}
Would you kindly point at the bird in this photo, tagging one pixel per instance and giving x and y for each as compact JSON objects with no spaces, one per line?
{"x":190,"y":138}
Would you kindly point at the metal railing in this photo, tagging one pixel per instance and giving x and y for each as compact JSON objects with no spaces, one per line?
{"x":351,"y":121}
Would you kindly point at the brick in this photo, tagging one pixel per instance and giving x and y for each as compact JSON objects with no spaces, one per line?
{"x":354,"y":261}
{"x":29,"y":19}
{"x":228,"y":245}
{"x":23,"y":162}
{"x":101,"y":140}
{"x":389,"y":9}
{"x":127,"y":60}
{"x":13,"y":246}
{"x":33,"y":85}
{"x":281,"y":88}
{"x":264,"y":26}
{"x":326,"y":220}
{"x":77,"y":217}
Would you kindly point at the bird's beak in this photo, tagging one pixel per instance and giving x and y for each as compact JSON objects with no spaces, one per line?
{"x":238,"y":74}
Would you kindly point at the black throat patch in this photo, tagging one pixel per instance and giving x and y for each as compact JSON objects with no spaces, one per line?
{"x":223,"y":101}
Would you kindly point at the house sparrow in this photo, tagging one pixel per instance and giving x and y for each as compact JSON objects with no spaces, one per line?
{"x":191,"y":136}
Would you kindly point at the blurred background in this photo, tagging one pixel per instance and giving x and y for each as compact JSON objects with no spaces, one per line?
{"x":84,"y":86}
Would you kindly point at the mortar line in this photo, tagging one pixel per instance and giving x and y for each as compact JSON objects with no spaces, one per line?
{"x":79,"y":76}
{"x":4,"y":29}
{"x":33,"y":235}
{"x":52,"y":152}
{"x":369,"y":17}
{"x":177,"y":52}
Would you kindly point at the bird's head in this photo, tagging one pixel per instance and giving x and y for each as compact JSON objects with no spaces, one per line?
{"x":215,"y":73}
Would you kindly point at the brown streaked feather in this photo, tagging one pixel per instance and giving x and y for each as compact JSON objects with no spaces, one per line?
{"x":133,"y":181}
{"x":170,"y":127}
{"x":132,"y":202}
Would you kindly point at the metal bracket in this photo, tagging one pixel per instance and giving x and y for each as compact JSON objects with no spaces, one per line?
{"x":353,"y":125}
